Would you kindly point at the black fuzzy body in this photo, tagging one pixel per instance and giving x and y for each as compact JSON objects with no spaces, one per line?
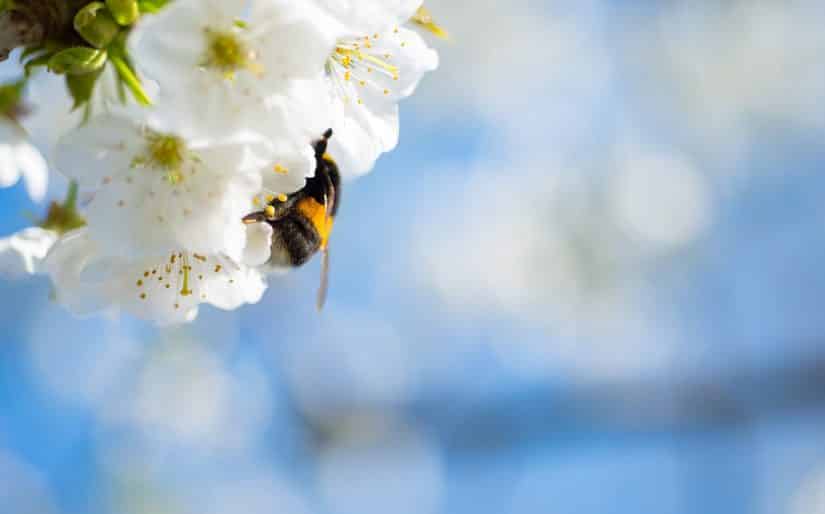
{"x":294,"y":241}
{"x":295,"y":237}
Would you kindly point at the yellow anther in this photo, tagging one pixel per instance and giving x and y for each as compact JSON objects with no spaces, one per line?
{"x":424,"y":19}
{"x":282,"y":198}
{"x":269,"y":212}
{"x":280,"y":169}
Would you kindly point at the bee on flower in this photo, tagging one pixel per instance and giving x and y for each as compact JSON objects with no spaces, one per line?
{"x":191,"y":124}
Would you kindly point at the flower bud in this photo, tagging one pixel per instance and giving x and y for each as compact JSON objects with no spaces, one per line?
{"x":77,"y":60}
{"x":96,"y":25}
{"x":125,"y":12}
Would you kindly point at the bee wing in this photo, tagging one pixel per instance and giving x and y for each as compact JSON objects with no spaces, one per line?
{"x":329,"y":201}
{"x":324,"y":286}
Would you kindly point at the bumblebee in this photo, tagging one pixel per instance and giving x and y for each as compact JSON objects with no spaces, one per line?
{"x":302,"y":222}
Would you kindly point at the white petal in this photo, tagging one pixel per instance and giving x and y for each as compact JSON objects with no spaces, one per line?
{"x":164,"y":289}
{"x":291,"y":46}
{"x":139,"y":209}
{"x":258,"y":244}
{"x":368,"y":87}
{"x":360,"y":139}
{"x":67,"y":264}
{"x":22,"y":253}
{"x":289,"y":168}
{"x":203,"y":103}
{"x":34,"y":169}
{"x":92,"y":153}
{"x":369,"y":16}
{"x":9,"y":172}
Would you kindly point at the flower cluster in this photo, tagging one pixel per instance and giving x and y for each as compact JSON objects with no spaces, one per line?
{"x":181,"y":117}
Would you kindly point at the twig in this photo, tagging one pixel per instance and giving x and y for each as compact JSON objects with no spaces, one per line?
{"x":18,"y":29}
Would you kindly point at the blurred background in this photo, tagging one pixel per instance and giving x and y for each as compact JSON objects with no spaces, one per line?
{"x":589,"y":280}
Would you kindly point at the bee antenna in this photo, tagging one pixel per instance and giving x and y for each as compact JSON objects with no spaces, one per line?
{"x":321,"y":144}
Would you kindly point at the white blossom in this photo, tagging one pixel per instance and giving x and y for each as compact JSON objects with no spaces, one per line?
{"x":166,"y":288}
{"x":376,"y":63}
{"x":219,"y":64}
{"x":22,"y":253}
{"x":156,"y":191}
{"x":243,"y":90}
{"x":19,"y":158}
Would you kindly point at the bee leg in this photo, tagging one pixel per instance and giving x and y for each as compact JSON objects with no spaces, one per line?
{"x":255,"y":217}
{"x":268,"y":214}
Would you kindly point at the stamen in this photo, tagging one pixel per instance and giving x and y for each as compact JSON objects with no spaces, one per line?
{"x":186,"y":268}
{"x":424,"y":19}
{"x":166,"y":152}
{"x":228,"y":54}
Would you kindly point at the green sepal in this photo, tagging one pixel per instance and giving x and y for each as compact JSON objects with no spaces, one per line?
{"x":37,"y":62}
{"x":151,"y":6}
{"x":81,"y":87}
{"x":28,"y":52}
{"x":77,"y":60}
{"x":10,"y":96}
{"x":96,"y":25}
{"x":125,"y":12}
{"x":64,"y":218}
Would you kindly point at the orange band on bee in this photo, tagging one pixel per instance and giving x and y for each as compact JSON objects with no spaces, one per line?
{"x":317,"y":215}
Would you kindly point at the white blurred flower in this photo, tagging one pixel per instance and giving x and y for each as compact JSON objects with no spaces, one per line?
{"x":219,"y":73}
{"x":660,"y":199}
{"x":725,"y":71}
{"x":155,"y":191}
{"x":22,"y":253}
{"x":19,"y":158}
{"x":166,"y":288}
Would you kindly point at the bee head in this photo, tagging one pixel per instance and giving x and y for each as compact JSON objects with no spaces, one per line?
{"x":321,"y":145}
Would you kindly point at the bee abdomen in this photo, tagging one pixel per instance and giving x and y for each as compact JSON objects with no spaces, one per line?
{"x":294,"y":241}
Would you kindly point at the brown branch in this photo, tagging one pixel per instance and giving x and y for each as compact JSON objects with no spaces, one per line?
{"x":18,"y":29}
{"x":31,"y":23}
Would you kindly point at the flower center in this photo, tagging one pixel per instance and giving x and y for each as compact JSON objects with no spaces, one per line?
{"x":357,"y":63}
{"x":226,"y":53}
{"x":166,"y":152}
